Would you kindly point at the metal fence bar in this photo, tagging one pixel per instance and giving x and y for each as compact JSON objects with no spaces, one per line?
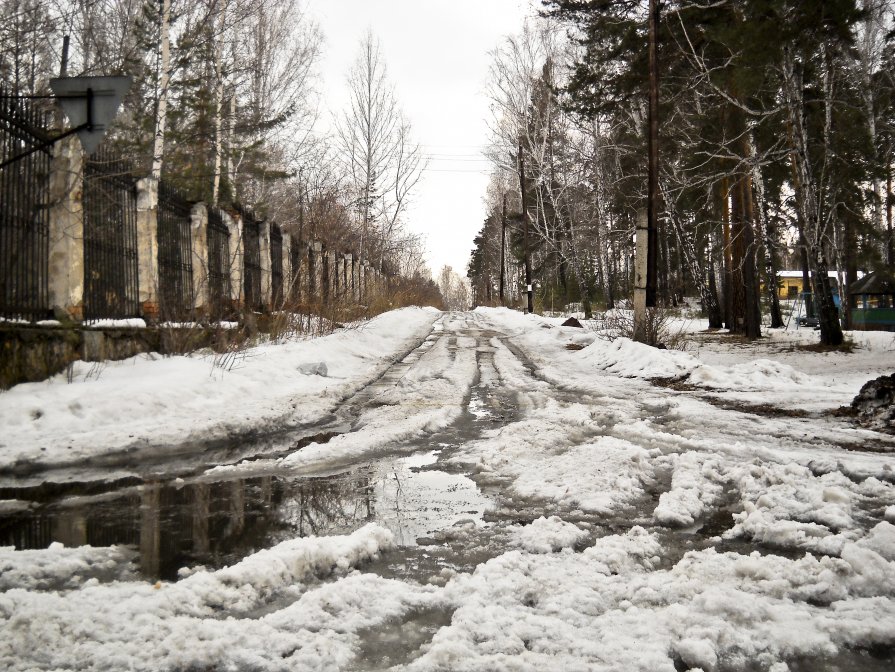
{"x":175,"y":258}
{"x":110,"y":239}
{"x":251,"y":245}
{"x":218,"y":266}
{"x":276,"y":266}
{"x":24,"y":211}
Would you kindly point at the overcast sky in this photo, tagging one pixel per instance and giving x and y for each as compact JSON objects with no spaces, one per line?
{"x":437,"y":56}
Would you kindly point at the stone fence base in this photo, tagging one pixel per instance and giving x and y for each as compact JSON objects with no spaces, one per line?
{"x":32,"y":354}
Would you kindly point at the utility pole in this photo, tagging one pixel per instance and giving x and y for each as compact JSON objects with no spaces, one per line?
{"x":503,"y":248}
{"x":646,"y":239}
{"x":653,"y":205}
{"x":529,"y":300}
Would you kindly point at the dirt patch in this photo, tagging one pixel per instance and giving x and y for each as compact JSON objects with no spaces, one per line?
{"x":765,"y":410}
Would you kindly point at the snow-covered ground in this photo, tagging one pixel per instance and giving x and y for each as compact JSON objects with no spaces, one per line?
{"x":655,"y":510}
{"x":149,"y":402}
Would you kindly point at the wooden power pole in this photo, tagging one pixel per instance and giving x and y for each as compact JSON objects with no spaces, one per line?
{"x":653,"y":204}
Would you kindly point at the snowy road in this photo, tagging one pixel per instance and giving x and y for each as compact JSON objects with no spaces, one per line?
{"x":510,"y":495}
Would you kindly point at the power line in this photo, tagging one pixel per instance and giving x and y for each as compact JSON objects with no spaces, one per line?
{"x":456,"y":170}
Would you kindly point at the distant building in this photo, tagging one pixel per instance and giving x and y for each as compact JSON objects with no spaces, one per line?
{"x":789,"y":283}
{"x":873,"y":302}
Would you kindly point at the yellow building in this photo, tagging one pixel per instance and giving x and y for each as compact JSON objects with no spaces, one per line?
{"x":789,"y":284}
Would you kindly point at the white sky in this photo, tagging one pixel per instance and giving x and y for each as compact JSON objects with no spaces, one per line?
{"x":436,"y":53}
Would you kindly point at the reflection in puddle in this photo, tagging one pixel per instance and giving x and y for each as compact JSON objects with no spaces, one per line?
{"x":399,"y":642}
{"x":175,"y":524}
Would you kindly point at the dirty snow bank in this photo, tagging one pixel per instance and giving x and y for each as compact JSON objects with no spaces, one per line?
{"x":610,"y":607}
{"x":61,"y":568}
{"x":111,"y":406}
{"x":549,"y":456}
{"x":547,"y":535}
{"x":773,"y":370}
{"x":211,"y":619}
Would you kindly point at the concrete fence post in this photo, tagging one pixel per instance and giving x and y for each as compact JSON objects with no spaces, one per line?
{"x":288,"y":272}
{"x":304,"y":252}
{"x":234,"y":226}
{"x":640,"y":272}
{"x":332,"y":280}
{"x":340,"y":274}
{"x":266,"y":284}
{"x":66,"y":236}
{"x":147,"y":247}
{"x":199,"y":244}
{"x":349,"y":277}
{"x":363,"y":281}
{"x":315,"y":272}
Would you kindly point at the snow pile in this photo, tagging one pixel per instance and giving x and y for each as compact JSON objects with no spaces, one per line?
{"x":624,"y":357}
{"x":116,"y":405}
{"x":757,"y":374}
{"x":786,"y":505}
{"x":881,"y":540}
{"x":547,"y":457}
{"x":697,"y":482}
{"x":610,"y":608}
{"x":60,"y":568}
{"x":774,"y":370}
{"x":127,"y":625}
{"x":547,"y":535}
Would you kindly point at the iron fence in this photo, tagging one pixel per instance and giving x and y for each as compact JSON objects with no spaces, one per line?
{"x":276,"y":266}
{"x":24,"y":210}
{"x":175,"y":255}
{"x":218,"y":266}
{"x":251,"y":246}
{"x":110,"y":239}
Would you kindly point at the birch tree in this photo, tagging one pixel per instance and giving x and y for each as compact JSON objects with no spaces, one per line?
{"x":381,"y":161}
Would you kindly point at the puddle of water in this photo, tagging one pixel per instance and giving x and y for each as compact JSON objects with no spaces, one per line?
{"x":174,"y":524}
{"x":877,"y":659}
{"x":399,"y":643}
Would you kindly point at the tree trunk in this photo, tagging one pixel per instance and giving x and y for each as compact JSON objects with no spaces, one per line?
{"x":738,"y":260}
{"x":750,"y":274}
{"x":525,"y":226}
{"x":218,"y":105}
{"x":770,"y":244}
{"x":503,"y":248}
{"x":890,"y":242}
{"x":727,"y":277}
{"x":704,"y":281}
{"x":161,"y":115}
{"x":807,"y":202}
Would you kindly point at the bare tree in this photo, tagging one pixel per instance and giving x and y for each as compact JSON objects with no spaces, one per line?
{"x":381,"y":161}
{"x":454,"y":289}
{"x":164,"y":78}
